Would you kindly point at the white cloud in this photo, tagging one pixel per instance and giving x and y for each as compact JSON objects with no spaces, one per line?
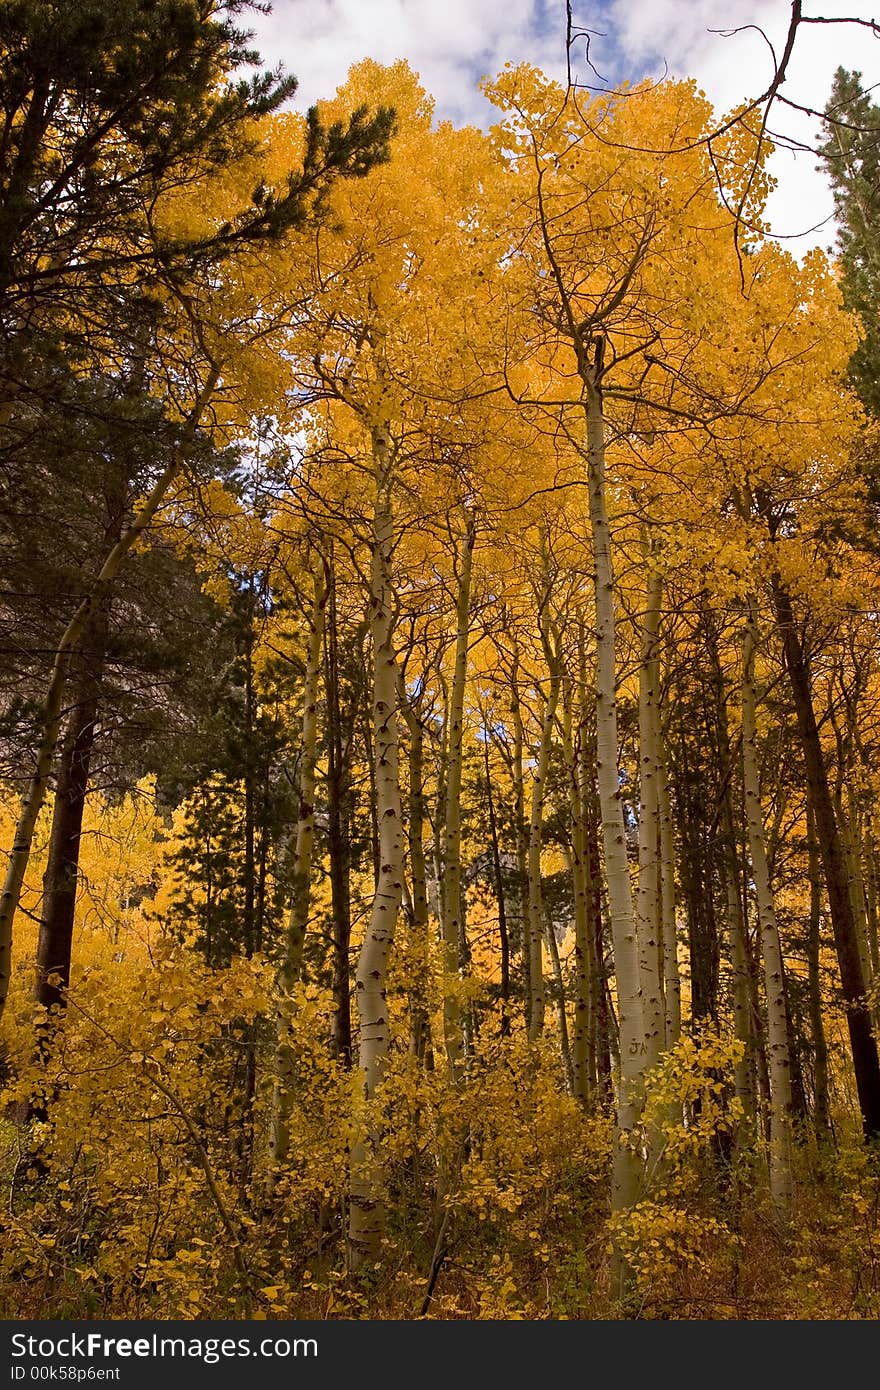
{"x":731,"y":68}
{"x":452,"y":43}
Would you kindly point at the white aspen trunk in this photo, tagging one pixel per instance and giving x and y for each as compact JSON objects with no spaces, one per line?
{"x":438,"y":819}
{"x":582,"y":1059}
{"x":746,"y":1027}
{"x":420,"y":1035}
{"x":779,"y":1060}
{"x":671,"y":973}
{"x":561,"y":1013}
{"x":519,"y":804}
{"x":648,"y":899}
{"x":298,"y":916}
{"x":739,"y":965}
{"x":537,"y":992}
{"x":49,"y":721}
{"x":520,"y":915}
{"x":627,"y":1166}
{"x":451,"y":914}
{"x":367,"y":1210}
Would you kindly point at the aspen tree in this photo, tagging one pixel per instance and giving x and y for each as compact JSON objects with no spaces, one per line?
{"x":522,"y":840}
{"x":559,"y":1000}
{"x":821,"y":1117}
{"x":669,"y":935}
{"x":500,"y":895}
{"x":339,"y":738}
{"x":779,"y":1058}
{"x":583,"y":1043}
{"x":419,"y":914}
{"x":535,"y":920}
{"x":451,"y":887}
{"x":367,"y":1210}
{"x":746,"y":1022}
{"x":298,"y":916}
{"x":648,"y":920}
{"x":633,"y":1044}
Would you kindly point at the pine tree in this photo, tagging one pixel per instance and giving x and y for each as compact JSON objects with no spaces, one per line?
{"x":851,"y":153}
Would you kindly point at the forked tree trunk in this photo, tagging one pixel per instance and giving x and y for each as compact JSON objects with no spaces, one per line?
{"x":367,"y":1208}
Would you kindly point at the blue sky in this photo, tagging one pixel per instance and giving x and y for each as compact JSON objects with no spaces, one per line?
{"x":453,"y":43}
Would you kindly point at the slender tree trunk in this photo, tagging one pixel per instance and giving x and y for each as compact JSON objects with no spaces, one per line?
{"x":774,"y":976}
{"x":862,"y":1041}
{"x":739,"y":968}
{"x":535,"y":923}
{"x":262,"y":857}
{"x":61,"y":876}
{"x":298,"y":917}
{"x":51,"y":711}
{"x":746,"y":1030}
{"x":606,"y":1041}
{"x":522,"y":853}
{"x":338,"y":841}
{"x":504,"y":939}
{"x":691,"y":772}
{"x":869,"y":849}
{"x":583,"y":1051}
{"x":851,"y":839}
{"x":60,"y":881}
{"x":54,"y":944}
{"x":627,"y":1168}
{"x":821,"y":1115}
{"x":419,"y":915}
{"x":250,"y":867}
{"x":559,"y":1000}
{"x":671,"y":974}
{"x":452,"y":912}
{"x":648,"y":902}
{"x":367,"y":1210}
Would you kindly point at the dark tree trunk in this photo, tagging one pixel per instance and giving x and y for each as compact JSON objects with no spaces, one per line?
{"x":55,"y":939}
{"x":60,"y":879}
{"x":862,"y":1041}
{"x":697,"y":886}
